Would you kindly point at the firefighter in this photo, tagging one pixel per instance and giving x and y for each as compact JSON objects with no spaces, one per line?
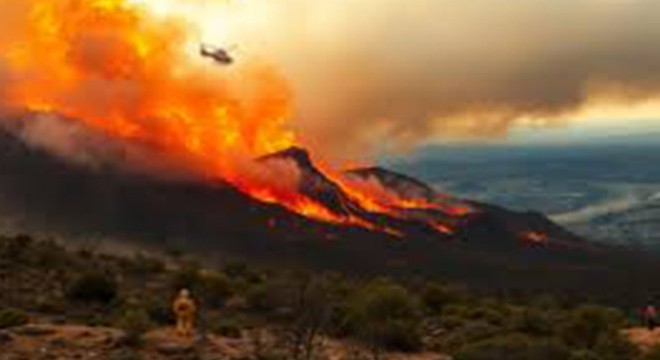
{"x":184,"y":308}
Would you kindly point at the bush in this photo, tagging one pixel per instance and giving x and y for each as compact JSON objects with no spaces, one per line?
{"x":652,"y":354}
{"x":12,"y":317}
{"x":159,"y":309}
{"x":586,"y":324}
{"x":459,"y":311}
{"x":489,"y":314}
{"x":186,"y":277}
{"x":584,"y":354}
{"x":466,"y":334}
{"x":216,"y":288}
{"x":532,"y":322}
{"x":612,"y":346}
{"x":513,"y":347}
{"x":258,"y":298}
{"x":436,"y":296}
{"x":126,"y":354}
{"x":227,"y":328}
{"x":241,"y":271}
{"x":135,"y":323}
{"x":385,"y":315}
{"x":93,"y":287}
{"x":142,"y":264}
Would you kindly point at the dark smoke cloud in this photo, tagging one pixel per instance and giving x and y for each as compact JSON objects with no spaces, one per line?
{"x":387,"y":74}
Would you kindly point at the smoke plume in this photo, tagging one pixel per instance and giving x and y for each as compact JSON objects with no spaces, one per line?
{"x":385,"y":74}
{"x":362,"y":77}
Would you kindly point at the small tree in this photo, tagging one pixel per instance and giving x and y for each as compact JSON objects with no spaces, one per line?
{"x":302,"y":304}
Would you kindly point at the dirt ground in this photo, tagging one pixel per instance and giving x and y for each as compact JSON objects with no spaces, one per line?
{"x":72,"y":342}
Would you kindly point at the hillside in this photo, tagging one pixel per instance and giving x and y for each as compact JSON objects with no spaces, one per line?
{"x":79,"y":303}
{"x":490,"y":246}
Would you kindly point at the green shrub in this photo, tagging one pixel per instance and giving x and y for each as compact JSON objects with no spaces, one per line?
{"x":135,"y":323}
{"x":489,"y":314}
{"x":216,"y":289}
{"x":186,"y":277}
{"x":451,"y":322}
{"x":12,"y":317}
{"x":126,"y":354}
{"x":142,"y":264}
{"x":227,"y":328}
{"x":241,"y":271}
{"x":436,"y":296}
{"x":584,"y":354}
{"x":457,"y":310}
{"x":586,"y":324}
{"x":159,"y":309}
{"x":257,"y":298}
{"x":471,"y":332}
{"x":532,"y":322}
{"x":613,"y":346}
{"x":513,"y":347}
{"x":652,"y":354}
{"x":96,"y":287}
{"x":385,"y":315}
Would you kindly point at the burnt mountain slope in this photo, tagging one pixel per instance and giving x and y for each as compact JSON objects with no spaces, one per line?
{"x":47,"y":194}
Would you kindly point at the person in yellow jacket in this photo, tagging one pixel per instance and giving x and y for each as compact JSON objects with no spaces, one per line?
{"x":184,"y":308}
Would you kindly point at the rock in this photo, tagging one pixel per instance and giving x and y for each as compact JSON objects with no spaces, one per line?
{"x":34,"y":330}
{"x":173,"y":349}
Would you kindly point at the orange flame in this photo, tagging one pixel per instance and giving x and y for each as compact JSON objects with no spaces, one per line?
{"x":122,"y":71}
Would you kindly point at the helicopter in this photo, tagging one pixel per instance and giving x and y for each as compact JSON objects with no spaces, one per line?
{"x":218,"y":55}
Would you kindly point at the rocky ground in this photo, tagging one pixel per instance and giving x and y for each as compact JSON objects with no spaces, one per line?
{"x":43,"y":341}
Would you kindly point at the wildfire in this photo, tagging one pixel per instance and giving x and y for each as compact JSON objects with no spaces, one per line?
{"x":111,"y":65}
{"x":117,"y":68}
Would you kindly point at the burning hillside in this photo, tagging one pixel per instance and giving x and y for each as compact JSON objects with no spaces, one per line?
{"x":43,"y":194}
{"x":113,"y":68}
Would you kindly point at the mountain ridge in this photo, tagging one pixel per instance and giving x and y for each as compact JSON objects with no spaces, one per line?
{"x":214,"y":218}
